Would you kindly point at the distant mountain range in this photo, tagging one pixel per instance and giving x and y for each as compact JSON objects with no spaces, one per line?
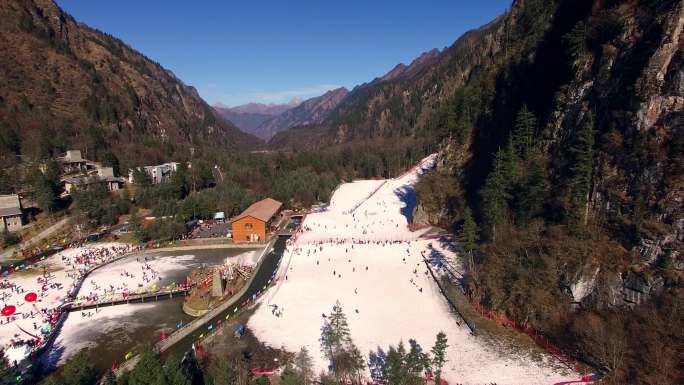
{"x":266,"y":120}
{"x":248,"y":117}
{"x":261,"y":108}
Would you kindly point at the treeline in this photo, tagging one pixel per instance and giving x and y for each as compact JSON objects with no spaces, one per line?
{"x":297,"y":179}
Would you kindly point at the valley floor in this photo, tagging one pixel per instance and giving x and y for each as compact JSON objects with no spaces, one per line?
{"x":360,"y":252}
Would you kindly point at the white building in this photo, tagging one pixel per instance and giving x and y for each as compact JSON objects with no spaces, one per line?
{"x":158,"y":174}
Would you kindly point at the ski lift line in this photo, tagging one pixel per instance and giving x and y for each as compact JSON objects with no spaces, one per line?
{"x":444,"y":294}
{"x":364,"y":200}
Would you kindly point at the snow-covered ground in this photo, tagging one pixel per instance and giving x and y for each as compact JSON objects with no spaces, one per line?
{"x":359,"y":251}
{"x":52,"y":280}
{"x":136,"y":272}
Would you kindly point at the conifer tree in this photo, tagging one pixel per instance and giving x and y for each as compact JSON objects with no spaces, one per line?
{"x":495,"y":194}
{"x":417,"y":360}
{"x":148,"y":370}
{"x":582,"y":168}
{"x":469,"y":234}
{"x":439,"y":356}
{"x":335,"y":332}
{"x":376,"y":365}
{"x":507,"y":162}
{"x":523,"y":133}
{"x":304,"y":364}
{"x":394,"y":370}
{"x":174,"y":373}
{"x":79,"y":370}
{"x":110,"y":378}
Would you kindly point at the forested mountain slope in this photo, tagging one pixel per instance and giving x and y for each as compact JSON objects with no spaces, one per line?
{"x":567,"y":147}
{"x":65,"y":85}
{"x":401,"y":103}
{"x":561,"y":128}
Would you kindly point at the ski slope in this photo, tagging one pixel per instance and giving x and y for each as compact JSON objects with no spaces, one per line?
{"x":359,"y":251}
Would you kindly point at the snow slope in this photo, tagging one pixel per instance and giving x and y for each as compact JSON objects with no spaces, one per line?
{"x":359,"y":251}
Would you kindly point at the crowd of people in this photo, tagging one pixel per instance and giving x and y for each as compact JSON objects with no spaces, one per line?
{"x":59,"y":277}
{"x":131,"y":283}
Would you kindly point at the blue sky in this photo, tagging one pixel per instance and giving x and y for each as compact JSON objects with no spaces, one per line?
{"x":272,"y":51}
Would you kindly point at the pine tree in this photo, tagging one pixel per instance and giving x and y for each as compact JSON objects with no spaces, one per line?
{"x":148,"y":370}
{"x":346,"y":361}
{"x":45,"y":187}
{"x":532,"y":193}
{"x":576,"y":39}
{"x":469,"y":234}
{"x":304,"y":364}
{"x":356,"y":363}
{"x":394,"y":371}
{"x":334,"y":334}
{"x":180,"y":180}
{"x":523,"y":133}
{"x":417,"y":361}
{"x":439,"y":356}
{"x":495,"y":193}
{"x":507,"y":162}
{"x":582,"y":169}
{"x":174,"y":373}
{"x":376,"y":365}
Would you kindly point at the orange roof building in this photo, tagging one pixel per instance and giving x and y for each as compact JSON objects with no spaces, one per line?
{"x":252,"y":224}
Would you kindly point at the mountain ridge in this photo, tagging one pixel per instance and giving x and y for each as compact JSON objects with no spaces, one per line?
{"x":108,"y":100}
{"x":312,"y":111}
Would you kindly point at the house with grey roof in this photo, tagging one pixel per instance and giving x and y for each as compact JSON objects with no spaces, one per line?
{"x":104,"y":175}
{"x":72,"y":162}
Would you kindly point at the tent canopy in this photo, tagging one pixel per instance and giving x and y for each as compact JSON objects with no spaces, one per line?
{"x":220,"y":215}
